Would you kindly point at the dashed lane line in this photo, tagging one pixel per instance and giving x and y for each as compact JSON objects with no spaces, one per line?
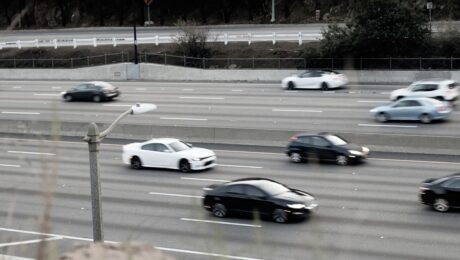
{"x":33,"y":241}
{"x":175,"y":195}
{"x":221,"y":222}
{"x":32,"y":153}
{"x":203,"y":179}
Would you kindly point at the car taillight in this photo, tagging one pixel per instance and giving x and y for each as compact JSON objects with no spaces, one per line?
{"x":293,"y":138}
{"x":441,"y":108}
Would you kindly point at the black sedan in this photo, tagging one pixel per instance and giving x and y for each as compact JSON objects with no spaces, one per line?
{"x":324,"y":147}
{"x":92,"y":91}
{"x":264,"y":196}
{"x":442,"y":193}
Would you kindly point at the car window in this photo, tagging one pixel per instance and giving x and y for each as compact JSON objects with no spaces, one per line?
{"x":81,"y":87}
{"x":424,"y":87}
{"x":161,"y":148}
{"x":148,"y":147}
{"x":235,"y":189}
{"x":304,"y":139}
{"x":316,"y":74}
{"x":336,"y":140}
{"x":253,"y":192}
{"x":453,"y":184}
{"x":414,"y":103}
{"x":179,"y":146}
{"x":272,"y":188}
{"x":305,"y":74}
{"x":319,"y":141}
{"x":453,"y":85}
{"x":404,"y":103}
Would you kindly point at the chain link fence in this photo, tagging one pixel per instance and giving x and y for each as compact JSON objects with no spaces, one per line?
{"x":390,"y":63}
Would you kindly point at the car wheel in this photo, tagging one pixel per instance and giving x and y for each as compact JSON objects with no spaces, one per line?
{"x":184,"y":166}
{"x":381,"y":117}
{"x":324,"y":86}
{"x":279,"y":216}
{"x":219,"y":210}
{"x":68,"y":98}
{"x":295,"y":157}
{"x":425,"y":118}
{"x":136,"y":163}
{"x":291,"y":85}
{"x":97,"y":98}
{"x":341,"y":160}
{"x":441,"y":205}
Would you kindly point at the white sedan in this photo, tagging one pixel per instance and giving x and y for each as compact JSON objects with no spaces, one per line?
{"x":315,"y":79}
{"x":168,"y":153}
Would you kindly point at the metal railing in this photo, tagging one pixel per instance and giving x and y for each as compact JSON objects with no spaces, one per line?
{"x":389,"y":63}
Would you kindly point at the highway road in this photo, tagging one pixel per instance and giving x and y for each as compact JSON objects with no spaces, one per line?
{"x":368,"y":211}
{"x":232,"y":105}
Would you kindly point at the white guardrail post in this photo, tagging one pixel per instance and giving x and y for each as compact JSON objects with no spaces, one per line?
{"x":157,"y":40}
{"x":300,"y":38}
{"x":36,"y":43}
{"x":94,"y":42}
{"x":274,"y":38}
{"x":74,"y":43}
{"x":226,"y":38}
{"x":18,"y":43}
{"x":55,"y":43}
{"x":114,"y":42}
{"x":249,"y":38}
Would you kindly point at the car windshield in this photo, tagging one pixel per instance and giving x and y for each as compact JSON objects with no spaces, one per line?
{"x":272,"y":188}
{"x":335,"y":140}
{"x":179,"y":146}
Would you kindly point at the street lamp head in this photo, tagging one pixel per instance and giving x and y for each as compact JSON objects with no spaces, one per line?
{"x":140,"y":108}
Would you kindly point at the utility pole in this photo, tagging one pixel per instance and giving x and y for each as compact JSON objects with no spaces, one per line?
{"x":429,"y":6}
{"x":135,"y":45}
{"x":273,"y":11}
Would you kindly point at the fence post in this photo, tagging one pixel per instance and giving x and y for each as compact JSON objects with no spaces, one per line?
{"x":105,"y":58}
{"x":390,"y":63}
{"x":185,"y":63}
{"x":451,"y":63}
{"x":52,"y":63}
{"x":361,"y":63}
{"x":127,"y":56}
{"x":226,"y":38}
{"x":228,"y":62}
{"x":305,"y":63}
{"x":204,"y":63}
{"x":420,"y":63}
{"x":332,"y":63}
{"x":71,"y":63}
{"x":300,"y":38}
{"x":145,"y":56}
{"x":253,"y":62}
{"x":33,"y":62}
{"x":87,"y":58}
{"x":279,"y":62}
{"x":274,"y":38}
{"x":165,"y":58}
{"x":14,"y":62}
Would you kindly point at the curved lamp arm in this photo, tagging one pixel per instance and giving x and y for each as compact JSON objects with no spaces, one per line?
{"x":104,"y":133}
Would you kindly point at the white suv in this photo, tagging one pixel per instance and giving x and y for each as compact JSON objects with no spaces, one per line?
{"x":447,"y":90}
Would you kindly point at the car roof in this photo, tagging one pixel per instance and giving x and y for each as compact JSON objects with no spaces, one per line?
{"x":314,"y":134}
{"x":434,"y":81}
{"x":101,"y":83}
{"x":253,"y":180}
{"x":165,"y":140}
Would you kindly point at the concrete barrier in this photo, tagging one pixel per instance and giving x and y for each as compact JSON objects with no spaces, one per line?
{"x":376,"y":142}
{"x":156,"y":72}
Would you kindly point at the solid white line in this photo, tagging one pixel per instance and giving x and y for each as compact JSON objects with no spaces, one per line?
{"x":188,"y":89}
{"x":30,"y":241}
{"x":220,"y":222}
{"x":237,"y":90}
{"x":115,"y":105}
{"x":141,"y":88}
{"x":10,"y":257}
{"x":10,"y":165}
{"x":35,"y":153}
{"x":20,"y":113}
{"x":373,"y":101}
{"x":416,"y":161}
{"x":201,"y":98}
{"x":240,"y":166}
{"x":297,"y":110}
{"x":55,"y":87}
{"x":385,"y":93}
{"x":291,"y":91}
{"x":179,"y":118}
{"x":233,"y":151}
{"x":51,"y":95}
{"x":206,"y":254}
{"x":401,"y":126}
{"x":202,"y":179}
{"x":175,"y":195}
{"x":17,"y":87}
{"x":329,"y":92}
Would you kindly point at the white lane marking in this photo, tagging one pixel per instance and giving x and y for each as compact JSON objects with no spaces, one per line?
{"x":400,"y":126}
{"x":34,"y":153}
{"x":33,"y":241}
{"x":17,"y":87}
{"x":237,"y":90}
{"x":206,"y":254}
{"x":385,"y":93}
{"x":175,"y":195}
{"x":188,"y":89}
{"x":55,"y":87}
{"x":297,"y":110}
{"x":184,"y":118}
{"x":51,"y":95}
{"x":10,"y":257}
{"x":113,"y":242}
{"x":328,"y":92}
{"x":220,"y":222}
{"x":291,"y":91}
{"x":10,"y":165}
{"x":203,"y":179}
{"x":373,"y":101}
{"x":216,"y":98}
{"x":141,"y":88}
{"x":115,"y":105}
{"x":240,"y":166}
{"x":20,"y":113}
{"x":416,"y":161}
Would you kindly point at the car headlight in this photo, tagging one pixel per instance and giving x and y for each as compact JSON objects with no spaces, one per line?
{"x":355,"y":152}
{"x":63,"y":92}
{"x":296,"y":206}
{"x":195,"y":159}
{"x":365,"y":150}
{"x":373,"y":110}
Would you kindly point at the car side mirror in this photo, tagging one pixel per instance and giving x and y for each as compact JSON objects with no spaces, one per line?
{"x":189,"y":144}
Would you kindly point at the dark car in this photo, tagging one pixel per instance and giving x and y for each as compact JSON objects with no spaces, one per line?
{"x":92,"y":91}
{"x":324,"y":147}
{"x":442,"y":193}
{"x":265,"y":196}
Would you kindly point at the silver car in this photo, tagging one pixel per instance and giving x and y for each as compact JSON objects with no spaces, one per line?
{"x":417,"y":108}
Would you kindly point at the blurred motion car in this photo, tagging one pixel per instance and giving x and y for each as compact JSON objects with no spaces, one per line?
{"x":315,"y":79}
{"x":441,"y":193}
{"x":264,"y":196}
{"x":168,"y":153}
{"x":420,"y":109}
{"x":324,"y":147}
{"x":447,"y":90}
{"x":96,"y":91}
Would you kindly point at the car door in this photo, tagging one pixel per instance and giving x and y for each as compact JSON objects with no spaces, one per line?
{"x":452,"y":189}
{"x":235,"y":199}
{"x":304,"y":80}
{"x":257,"y":201}
{"x":162,"y":156}
{"x":93,"y":90}
{"x":79,"y":91}
{"x":305,"y":145}
{"x":323,"y":148}
{"x":316,"y":79}
{"x":401,"y":110}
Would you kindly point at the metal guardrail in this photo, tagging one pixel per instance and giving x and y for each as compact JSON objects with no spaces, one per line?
{"x":389,"y":63}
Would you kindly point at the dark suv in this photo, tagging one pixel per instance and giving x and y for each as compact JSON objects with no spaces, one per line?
{"x":324,"y":147}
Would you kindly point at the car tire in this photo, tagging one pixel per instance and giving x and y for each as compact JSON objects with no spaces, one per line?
{"x":295,"y":157}
{"x":279,"y":216}
{"x":382,"y":117}
{"x":425,"y":118}
{"x":341,"y":160}
{"x":136,"y":163}
{"x":97,"y":98}
{"x":324,"y":86}
{"x":184,"y":166}
{"x":441,"y":205}
{"x":291,"y":85}
{"x":68,"y":97}
{"x":219,"y":210}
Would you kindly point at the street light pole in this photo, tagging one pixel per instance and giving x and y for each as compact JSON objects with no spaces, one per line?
{"x":273,"y":11}
{"x":135,"y":45}
{"x":94,"y":138}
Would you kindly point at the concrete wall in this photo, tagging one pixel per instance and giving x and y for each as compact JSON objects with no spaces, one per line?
{"x":124,"y":71}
